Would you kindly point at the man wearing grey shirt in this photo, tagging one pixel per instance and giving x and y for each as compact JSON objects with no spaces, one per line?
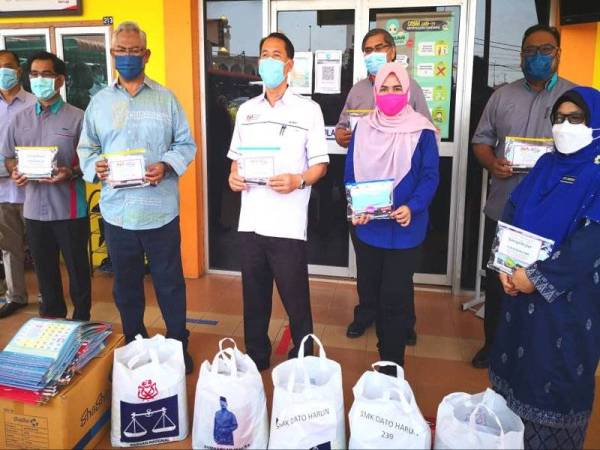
{"x":378,"y":47}
{"x":520,"y":109}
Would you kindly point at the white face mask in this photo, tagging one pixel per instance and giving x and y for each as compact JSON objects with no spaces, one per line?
{"x":569,"y":138}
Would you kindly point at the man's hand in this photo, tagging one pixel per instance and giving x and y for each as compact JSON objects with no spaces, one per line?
{"x":502,"y":168}
{"x":343,"y":136}
{"x":363,"y":219}
{"x":155,"y":172}
{"x":402,"y":215}
{"x":102,"y":169}
{"x":522,"y":282}
{"x":508,"y":285}
{"x":285,"y":183}
{"x":60,"y":175}
{"x":19,"y":179}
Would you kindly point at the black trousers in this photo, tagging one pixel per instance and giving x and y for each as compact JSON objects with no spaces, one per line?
{"x":385,"y":277}
{"x":47,"y":240}
{"x":265,"y":259}
{"x":365,"y":312}
{"x":127,"y":249}
{"x":493,"y":287}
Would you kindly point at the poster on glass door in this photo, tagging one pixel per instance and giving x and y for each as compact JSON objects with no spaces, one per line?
{"x":425,"y":45}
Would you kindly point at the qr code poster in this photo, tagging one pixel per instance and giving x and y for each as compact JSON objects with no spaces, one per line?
{"x":328,"y":71}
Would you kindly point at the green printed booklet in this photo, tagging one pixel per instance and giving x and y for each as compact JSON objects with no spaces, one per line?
{"x":257,"y":164}
{"x":374,"y":198}
{"x":126,"y":169}
{"x":514,"y":247}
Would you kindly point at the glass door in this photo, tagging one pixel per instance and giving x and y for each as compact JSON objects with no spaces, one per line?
{"x":323,"y":34}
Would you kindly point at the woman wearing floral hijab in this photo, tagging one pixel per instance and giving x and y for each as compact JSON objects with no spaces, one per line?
{"x":548,"y":342}
{"x":393,"y":142}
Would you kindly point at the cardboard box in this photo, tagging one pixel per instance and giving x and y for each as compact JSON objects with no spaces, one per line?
{"x":78,"y":417}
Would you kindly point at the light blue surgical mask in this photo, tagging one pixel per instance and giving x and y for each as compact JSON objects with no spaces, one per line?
{"x":271,"y":72}
{"x":374,"y":61}
{"x":43,"y":88}
{"x":8,"y":78}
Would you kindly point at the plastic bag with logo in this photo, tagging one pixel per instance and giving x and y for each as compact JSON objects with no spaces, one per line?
{"x":477,"y":421}
{"x":230,"y":409}
{"x":385,"y":414}
{"x":308,"y":403}
{"x":149,"y":403}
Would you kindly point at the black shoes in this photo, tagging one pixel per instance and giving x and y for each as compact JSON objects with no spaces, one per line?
{"x":411,"y":338}
{"x":356,"y":329}
{"x":481,"y":360}
{"x":10,"y":308}
{"x":189,"y":362}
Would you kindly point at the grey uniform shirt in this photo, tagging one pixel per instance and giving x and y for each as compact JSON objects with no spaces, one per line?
{"x":61,"y":127}
{"x":515,"y":110}
{"x":361,"y":97}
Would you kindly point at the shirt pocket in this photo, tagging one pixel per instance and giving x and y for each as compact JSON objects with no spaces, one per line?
{"x":66,"y":141}
{"x":292,"y":158}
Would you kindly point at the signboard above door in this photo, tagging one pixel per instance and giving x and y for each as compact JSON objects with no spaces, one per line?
{"x":20,"y":8}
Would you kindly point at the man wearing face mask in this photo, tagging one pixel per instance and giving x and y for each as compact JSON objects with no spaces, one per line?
{"x":55,"y":208}
{"x":378,"y":47}
{"x":283,"y":131}
{"x":13,"y":99}
{"x":142,"y":222}
{"x":520,"y":109}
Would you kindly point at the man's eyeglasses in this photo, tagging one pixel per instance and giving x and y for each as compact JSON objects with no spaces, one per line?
{"x":378,"y":48}
{"x":45,"y":74}
{"x":574,"y":118}
{"x":546,"y":49}
{"x":122,"y":51}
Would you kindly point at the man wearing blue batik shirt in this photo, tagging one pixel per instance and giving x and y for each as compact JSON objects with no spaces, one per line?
{"x":138,"y":113}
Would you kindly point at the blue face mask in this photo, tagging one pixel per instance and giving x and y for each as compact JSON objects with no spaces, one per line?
{"x":538,"y":67}
{"x":129,"y":66}
{"x":271,"y":72}
{"x":43,"y":88}
{"x":374,"y":61}
{"x":8,"y":78}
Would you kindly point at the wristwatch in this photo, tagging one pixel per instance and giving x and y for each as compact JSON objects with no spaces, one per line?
{"x":302,"y":183}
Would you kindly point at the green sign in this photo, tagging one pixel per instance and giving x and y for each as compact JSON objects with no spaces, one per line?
{"x":425,"y":45}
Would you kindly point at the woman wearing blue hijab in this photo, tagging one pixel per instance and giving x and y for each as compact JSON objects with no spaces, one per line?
{"x":548,"y":343}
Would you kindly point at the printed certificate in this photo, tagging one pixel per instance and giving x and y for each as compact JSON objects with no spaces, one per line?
{"x":523,"y":153}
{"x":126,"y":169}
{"x":514,"y":247}
{"x":36,"y":162}
{"x":257,"y":164}
{"x":355,"y":114}
{"x":374,"y":198}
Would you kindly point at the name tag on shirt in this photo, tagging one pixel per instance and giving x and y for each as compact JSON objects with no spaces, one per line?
{"x":514,"y":247}
{"x":36,"y":162}
{"x":257,"y":164}
{"x":374,"y":198}
{"x":523,"y":153}
{"x":126,"y":169}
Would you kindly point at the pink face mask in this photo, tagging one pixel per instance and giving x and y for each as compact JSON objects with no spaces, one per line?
{"x":391,"y":104}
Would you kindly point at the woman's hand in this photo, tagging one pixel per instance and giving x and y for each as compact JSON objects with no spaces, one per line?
{"x":521,"y":281}
{"x":402,"y":215}
{"x":363,"y":219}
{"x":508,"y":285}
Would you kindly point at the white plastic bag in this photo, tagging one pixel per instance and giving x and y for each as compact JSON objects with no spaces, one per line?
{"x":308,"y":403}
{"x":230,"y":409}
{"x":477,"y":421}
{"x":149,"y":403}
{"x":385,"y":414}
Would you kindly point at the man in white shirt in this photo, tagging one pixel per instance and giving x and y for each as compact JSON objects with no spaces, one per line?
{"x":278,"y":150}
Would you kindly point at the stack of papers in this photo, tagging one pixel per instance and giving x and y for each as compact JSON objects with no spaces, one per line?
{"x":45,"y":354}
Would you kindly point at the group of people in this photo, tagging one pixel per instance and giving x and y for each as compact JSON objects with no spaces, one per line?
{"x":541,"y":324}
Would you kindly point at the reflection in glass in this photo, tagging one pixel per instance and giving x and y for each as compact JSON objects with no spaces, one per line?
{"x":85,"y":57}
{"x":24,"y":47}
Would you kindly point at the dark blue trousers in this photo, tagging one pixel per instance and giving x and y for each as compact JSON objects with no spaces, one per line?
{"x":161,"y":246}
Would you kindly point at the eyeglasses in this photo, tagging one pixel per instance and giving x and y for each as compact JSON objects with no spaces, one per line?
{"x":574,"y":118}
{"x":45,"y":74}
{"x":122,"y":51}
{"x":546,"y":49}
{"x":378,"y":48}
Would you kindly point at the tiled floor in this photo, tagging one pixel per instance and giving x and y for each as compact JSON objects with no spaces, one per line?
{"x":437,"y":365}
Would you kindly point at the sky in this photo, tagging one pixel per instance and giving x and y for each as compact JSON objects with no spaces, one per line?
{"x":510,"y":18}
